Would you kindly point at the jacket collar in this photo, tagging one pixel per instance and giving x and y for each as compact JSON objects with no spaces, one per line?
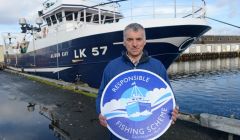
{"x":144,"y":58}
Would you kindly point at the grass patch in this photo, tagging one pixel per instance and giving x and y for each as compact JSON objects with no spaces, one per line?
{"x":70,"y":88}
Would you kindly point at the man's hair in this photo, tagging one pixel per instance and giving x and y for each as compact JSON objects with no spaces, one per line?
{"x":135,"y":27}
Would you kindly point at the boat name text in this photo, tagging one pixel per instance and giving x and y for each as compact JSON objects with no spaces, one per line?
{"x":96,"y":51}
{"x":81,"y":53}
{"x":60,"y":54}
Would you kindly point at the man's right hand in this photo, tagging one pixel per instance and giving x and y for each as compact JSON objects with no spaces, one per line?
{"x":102,"y":120}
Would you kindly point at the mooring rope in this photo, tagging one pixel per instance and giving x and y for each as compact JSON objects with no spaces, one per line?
{"x":222,"y":22}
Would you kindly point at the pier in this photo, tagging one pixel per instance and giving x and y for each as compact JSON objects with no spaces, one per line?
{"x":203,"y":65}
{"x":212,"y":47}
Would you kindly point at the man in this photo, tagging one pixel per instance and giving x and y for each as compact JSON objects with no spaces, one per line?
{"x":134,"y":58}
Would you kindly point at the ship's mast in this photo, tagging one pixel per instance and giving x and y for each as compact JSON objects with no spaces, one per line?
{"x":136,"y":93}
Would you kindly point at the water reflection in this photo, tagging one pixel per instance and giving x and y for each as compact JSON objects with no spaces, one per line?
{"x":31,"y":107}
{"x":54,"y":125}
{"x":47,"y":112}
{"x":210,"y":86}
{"x":21,"y":119}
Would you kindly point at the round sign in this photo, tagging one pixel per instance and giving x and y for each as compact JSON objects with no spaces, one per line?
{"x":138,"y":105}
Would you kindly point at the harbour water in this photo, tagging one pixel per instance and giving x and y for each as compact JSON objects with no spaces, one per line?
{"x":210,"y":86}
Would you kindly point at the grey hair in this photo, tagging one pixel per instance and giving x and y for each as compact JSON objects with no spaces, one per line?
{"x":135,"y":27}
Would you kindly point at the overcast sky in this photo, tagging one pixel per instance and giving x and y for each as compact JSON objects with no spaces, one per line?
{"x":225,"y":10}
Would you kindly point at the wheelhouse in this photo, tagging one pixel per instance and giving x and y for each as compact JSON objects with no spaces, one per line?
{"x":63,"y":13}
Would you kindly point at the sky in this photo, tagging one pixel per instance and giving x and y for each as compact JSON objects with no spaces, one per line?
{"x":224,"y":10}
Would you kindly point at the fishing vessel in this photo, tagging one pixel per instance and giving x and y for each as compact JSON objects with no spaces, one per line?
{"x":137,"y":103}
{"x":77,"y":38}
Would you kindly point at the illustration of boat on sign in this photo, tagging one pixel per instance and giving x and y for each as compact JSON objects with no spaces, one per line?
{"x":137,"y":104}
{"x":77,"y":38}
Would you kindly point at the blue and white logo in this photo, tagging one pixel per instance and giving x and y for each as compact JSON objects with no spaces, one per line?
{"x":138,"y":105}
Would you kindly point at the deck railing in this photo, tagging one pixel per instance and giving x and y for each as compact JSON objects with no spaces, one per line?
{"x":135,"y":9}
{"x":125,"y":10}
{"x":163,"y":9}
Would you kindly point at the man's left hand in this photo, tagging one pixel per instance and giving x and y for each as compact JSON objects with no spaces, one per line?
{"x":175,"y":114}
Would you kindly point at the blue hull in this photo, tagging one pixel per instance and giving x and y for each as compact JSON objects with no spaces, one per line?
{"x":87,"y":56}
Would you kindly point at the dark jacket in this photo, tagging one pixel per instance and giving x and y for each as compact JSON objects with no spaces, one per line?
{"x":122,"y":64}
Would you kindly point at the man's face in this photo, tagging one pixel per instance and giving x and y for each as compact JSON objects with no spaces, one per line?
{"x":134,"y":42}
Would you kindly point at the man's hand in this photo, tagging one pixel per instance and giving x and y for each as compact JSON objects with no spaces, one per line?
{"x":102,"y":120}
{"x":175,"y":114}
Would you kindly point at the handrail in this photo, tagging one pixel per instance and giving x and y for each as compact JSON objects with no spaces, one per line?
{"x":155,"y":9}
{"x":200,"y":9}
{"x":150,"y":8}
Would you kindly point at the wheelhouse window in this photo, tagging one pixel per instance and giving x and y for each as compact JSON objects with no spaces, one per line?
{"x":59,"y":17}
{"x":81,"y":16}
{"x":48,"y":20}
{"x":95,"y":18}
{"x":54,"y":20}
{"x":75,"y":16}
{"x":117,"y":20}
{"x":88,"y":17}
{"x":108,"y":19}
{"x":69,"y":15}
